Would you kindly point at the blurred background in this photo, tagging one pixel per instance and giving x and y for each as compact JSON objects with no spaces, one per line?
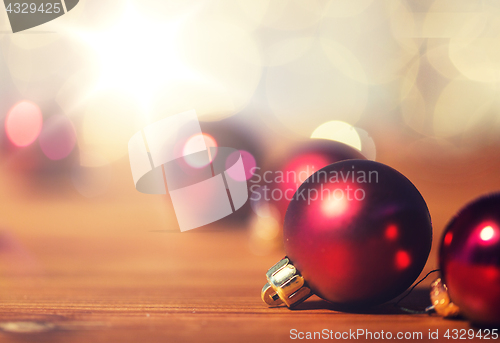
{"x":412,"y":84}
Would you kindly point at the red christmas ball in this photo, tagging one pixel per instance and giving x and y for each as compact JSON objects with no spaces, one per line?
{"x":469,"y":259}
{"x":358,"y":232}
{"x":306,"y":160}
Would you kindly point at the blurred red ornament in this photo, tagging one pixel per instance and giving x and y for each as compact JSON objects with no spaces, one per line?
{"x":357,"y":233}
{"x":306,"y":160}
{"x":469,"y":259}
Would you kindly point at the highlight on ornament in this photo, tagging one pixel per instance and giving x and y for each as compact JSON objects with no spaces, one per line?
{"x":23,"y":123}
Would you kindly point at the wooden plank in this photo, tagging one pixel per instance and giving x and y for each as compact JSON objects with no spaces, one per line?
{"x":166,"y":287}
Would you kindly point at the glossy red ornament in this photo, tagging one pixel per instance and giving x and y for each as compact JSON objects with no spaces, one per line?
{"x":469,"y":259}
{"x":358,"y":232}
{"x":306,"y":160}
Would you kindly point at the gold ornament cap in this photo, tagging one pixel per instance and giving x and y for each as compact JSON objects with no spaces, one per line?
{"x":441,"y":300}
{"x":284,"y":285}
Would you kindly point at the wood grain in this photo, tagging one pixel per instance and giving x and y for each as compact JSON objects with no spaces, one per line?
{"x":164,"y":287}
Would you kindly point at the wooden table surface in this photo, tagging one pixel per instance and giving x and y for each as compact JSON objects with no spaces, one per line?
{"x":165,"y":287}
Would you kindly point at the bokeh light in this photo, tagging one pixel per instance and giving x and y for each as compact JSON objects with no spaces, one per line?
{"x":391,"y":232}
{"x":192,"y":146}
{"x":473,"y":49}
{"x":36,"y":68}
{"x":249,"y":164}
{"x":277,"y":52}
{"x":376,"y":40}
{"x":265,"y":229}
{"x":259,"y":205}
{"x":226,"y":67}
{"x":311,"y":90}
{"x":487,"y":233}
{"x":448,"y":238}
{"x":335,"y":205}
{"x":462,"y":104}
{"x":76,"y":90}
{"x":402,"y":260}
{"x":190,"y":61}
{"x":58,"y":137}
{"x":338,"y":131}
{"x":23,"y":123}
{"x":438,"y":57}
{"x":368,"y":147}
{"x":133,"y":41}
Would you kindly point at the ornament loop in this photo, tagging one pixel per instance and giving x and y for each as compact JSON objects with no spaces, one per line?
{"x":284,"y":285}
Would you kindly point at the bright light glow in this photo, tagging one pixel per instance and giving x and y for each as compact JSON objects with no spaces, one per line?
{"x":169,"y":66}
{"x":391,"y":232}
{"x":193,"y":143}
{"x":338,"y":131}
{"x":264,"y":209}
{"x":448,"y":238}
{"x":368,"y":148}
{"x":192,"y":146}
{"x":334,"y":205}
{"x":109,"y":120}
{"x":403,"y":260}
{"x":474,"y":52}
{"x":23,"y":123}
{"x":137,"y":54}
{"x":267,"y":229}
{"x":487,"y":233}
